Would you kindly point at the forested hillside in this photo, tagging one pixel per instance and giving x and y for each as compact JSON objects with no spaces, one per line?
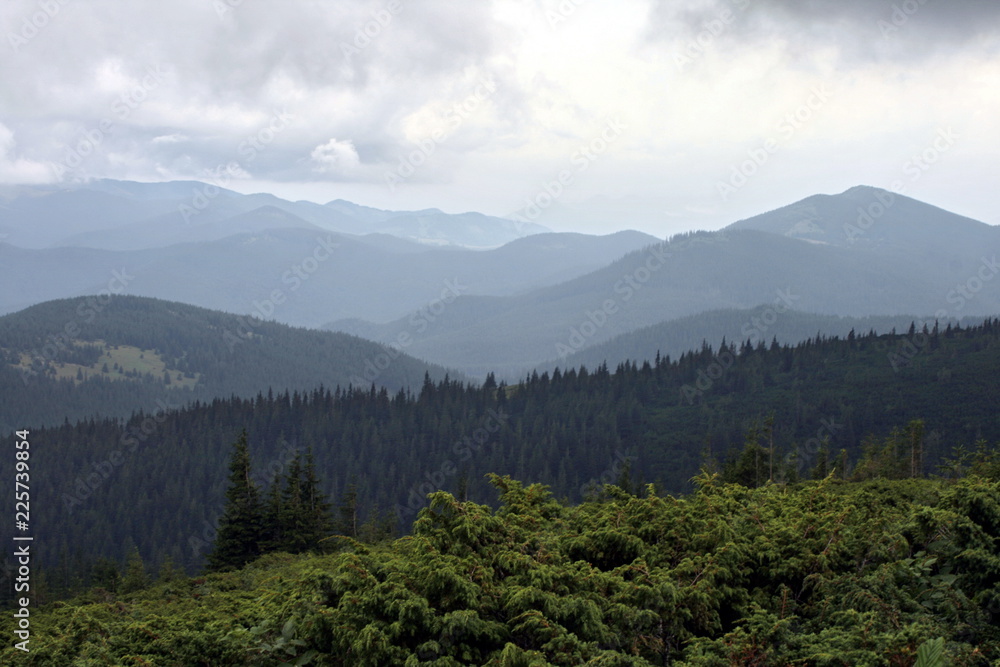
{"x":157,"y":482}
{"x":764,"y":323}
{"x":76,"y":358}
{"x":824,"y":573}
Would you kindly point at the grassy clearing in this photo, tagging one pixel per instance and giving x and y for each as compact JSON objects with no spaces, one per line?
{"x":123,"y":362}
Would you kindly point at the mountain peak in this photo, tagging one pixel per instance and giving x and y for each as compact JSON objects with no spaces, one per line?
{"x":862,"y":214}
{"x":862,"y":190}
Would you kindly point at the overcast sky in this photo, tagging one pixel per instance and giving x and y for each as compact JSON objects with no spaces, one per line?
{"x":589,"y":115}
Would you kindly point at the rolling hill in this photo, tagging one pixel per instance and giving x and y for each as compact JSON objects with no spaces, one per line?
{"x":77,"y":358}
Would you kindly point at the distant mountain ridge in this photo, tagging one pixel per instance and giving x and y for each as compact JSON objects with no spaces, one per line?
{"x":864,"y":252}
{"x":124,"y":215}
{"x":307,"y":277}
{"x":863,"y":215}
{"x":911,"y":260}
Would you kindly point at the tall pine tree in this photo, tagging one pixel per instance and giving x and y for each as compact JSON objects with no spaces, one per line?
{"x":316,"y":506}
{"x":241,"y":526}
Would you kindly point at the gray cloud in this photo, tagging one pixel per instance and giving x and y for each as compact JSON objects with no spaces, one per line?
{"x":862,"y":30}
{"x":351,"y":74}
{"x":347,"y":69}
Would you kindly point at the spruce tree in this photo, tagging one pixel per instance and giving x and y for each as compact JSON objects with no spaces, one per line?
{"x":168,"y":571}
{"x":135,"y":578}
{"x":293,"y":522}
{"x":348,"y":510}
{"x":241,"y":526}
{"x":318,"y":520}
{"x":105,"y":574}
{"x":273,"y":538}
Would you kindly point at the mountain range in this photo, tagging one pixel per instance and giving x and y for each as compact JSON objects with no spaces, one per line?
{"x":820,"y":256}
{"x":126,"y":215}
{"x":533,"y":301}
{"x":298,"y":263}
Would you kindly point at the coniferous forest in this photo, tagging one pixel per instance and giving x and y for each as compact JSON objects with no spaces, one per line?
{"x":881,"y":572}
{"x":156,"y":482}
{"x":700,"y":510}
{"x":505,"y":333}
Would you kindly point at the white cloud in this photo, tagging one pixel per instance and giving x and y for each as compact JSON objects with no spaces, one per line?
{"x":556,"y":84}
{"x":174,"y":138}
{"x":15,"y":169}
{"x":335,"y":157}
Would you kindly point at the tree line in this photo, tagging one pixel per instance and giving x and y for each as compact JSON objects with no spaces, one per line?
{"x":156,"y":483}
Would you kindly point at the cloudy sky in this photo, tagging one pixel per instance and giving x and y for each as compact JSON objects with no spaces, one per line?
{"x":660,"y":115}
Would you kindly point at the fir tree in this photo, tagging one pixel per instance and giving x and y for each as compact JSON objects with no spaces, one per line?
{"x":105,"y":574}
{"x":135,"y":578}
{"x":349,"y":512}
{"x":292,"y":514}
{"x":240,"y":528}
{"x":318,"y":523}
{"x":168,"y":571}
{"x":273,"y":538}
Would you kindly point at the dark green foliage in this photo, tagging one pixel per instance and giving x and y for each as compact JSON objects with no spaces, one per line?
{"x":753,"y":466}
{"x":105,"y":574}
{"x":898,"y":456}
{"x":135,"y":577}
{"x":880,"y":573}
{"x":296,"y":512}
{"x":348,"y":510}
{"x":294,"y":517}
{"x":570,"y":429}
{"x":242,"y":523}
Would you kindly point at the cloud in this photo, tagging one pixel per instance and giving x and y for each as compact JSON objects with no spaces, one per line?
{"x":174,"y":138}
{"x":227,"y":72}
{"x":201,"y":86}
{"x":335,"y":157}
{"x":15,"y":169}
{"x":858,"y":30}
